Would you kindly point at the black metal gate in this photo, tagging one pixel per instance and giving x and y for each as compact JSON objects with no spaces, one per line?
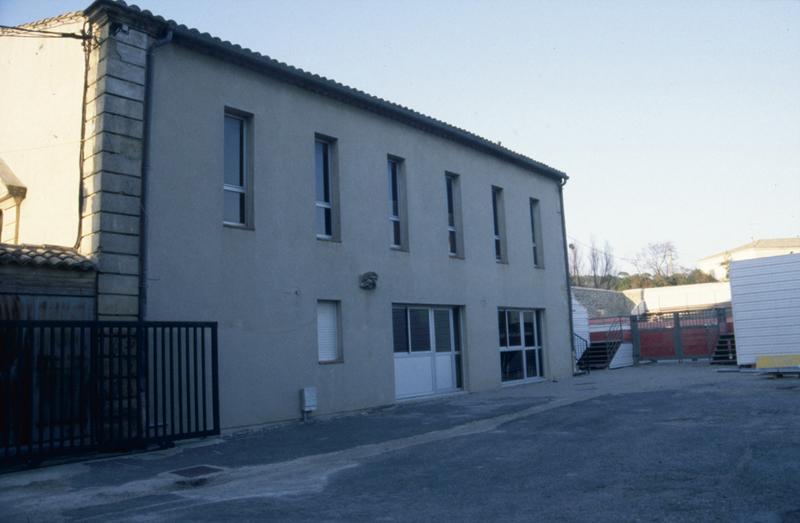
{"x":69,"y":387}
{"x":677,"y":335}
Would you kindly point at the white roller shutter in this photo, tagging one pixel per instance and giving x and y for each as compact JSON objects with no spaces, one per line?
{"x":328,"y":330}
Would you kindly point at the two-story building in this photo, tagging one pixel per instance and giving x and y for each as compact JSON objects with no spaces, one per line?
{"x":340,"y":240}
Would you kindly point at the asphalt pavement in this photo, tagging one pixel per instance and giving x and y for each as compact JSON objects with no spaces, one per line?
{"x":663,"y":442}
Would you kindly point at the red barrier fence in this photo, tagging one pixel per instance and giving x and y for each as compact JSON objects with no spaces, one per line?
{"x":678,"y":335}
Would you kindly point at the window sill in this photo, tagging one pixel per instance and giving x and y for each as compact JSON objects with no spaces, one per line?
{"x":240,"y":226}
{"x":332,"y":362}
{"x":540,"y":267}
{"x":456,"y":256}
{"x":329,"y":239}
{"x":526,"y":381}
{"x":399,"y":248}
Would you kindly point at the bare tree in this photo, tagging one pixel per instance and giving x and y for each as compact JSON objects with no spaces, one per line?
{"x":657,"y":259}
{"x":594,"y":263}
{"x":608,"y":266}
{"x":575,"y":263}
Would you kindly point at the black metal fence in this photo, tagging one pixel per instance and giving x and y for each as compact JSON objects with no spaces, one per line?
{"x":70,"y":387}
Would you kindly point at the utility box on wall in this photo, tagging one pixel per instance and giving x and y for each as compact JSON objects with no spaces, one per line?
{"x":308,"y":400}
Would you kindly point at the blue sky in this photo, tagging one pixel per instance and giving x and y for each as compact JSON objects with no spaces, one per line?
{"x":676,"y":121}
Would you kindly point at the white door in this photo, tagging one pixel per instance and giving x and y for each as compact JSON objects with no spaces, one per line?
{"x":427,"y":352}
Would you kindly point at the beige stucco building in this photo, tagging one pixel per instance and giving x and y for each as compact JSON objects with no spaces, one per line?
{"x":718,"y":264}
{"x":341,"y":241}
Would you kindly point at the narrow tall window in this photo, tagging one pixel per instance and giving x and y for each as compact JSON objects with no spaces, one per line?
{"x":328,"y":337}
{"x":454,"y":236}
{"x":398,"y":222}
{"x":499,"y":224}
{"x":235,"y":181}
{"x":536,"y":234}
{"x":325,"y":190}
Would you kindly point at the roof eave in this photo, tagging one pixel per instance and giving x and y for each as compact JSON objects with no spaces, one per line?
{"x":216,"y":47}
{"x":346,"y":94}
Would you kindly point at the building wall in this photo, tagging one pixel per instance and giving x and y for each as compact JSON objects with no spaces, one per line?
{"x":113,"y":162}
{"x":41,"y":95}
{"x":680,"y":297}
{"x":766,"y":307}
{"x":262,"y":284}
{"x":716,"y":265}
{"x":39,"y":293}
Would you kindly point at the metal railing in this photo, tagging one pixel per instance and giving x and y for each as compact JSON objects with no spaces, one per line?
{"x":71,"y":387}
{"x":579,"y":347}
{"x":614,"y":337}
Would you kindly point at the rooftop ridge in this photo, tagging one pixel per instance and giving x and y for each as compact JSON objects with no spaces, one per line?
{"x":54,"y":20}
{"x":764,"y":243}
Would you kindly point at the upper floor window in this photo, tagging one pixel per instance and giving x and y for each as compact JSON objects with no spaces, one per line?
{"x":536,"y":233}
{"x":327,"y":217}
{"x":235,"y":185}
{"x":454,"y":234}
{"x":397,"y":203}
{"x":499,"y":222}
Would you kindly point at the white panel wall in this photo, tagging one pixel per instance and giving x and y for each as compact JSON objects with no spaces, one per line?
{"x":623,"y":357}
{"x":679,"y":297}
{"x":413,"y":376}
{"x":766,"y":307}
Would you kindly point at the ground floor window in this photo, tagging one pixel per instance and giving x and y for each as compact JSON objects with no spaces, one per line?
{"x":427,"y":349}
{"x":328,"y":335}
{"x":520,"y":344}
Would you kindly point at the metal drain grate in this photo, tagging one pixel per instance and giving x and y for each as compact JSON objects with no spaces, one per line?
{"x":193,"y":472}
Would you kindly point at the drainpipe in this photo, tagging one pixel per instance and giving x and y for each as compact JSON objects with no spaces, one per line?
{"x":87,"y":37}
{"x":148,"y":122}
{"x":566,"y":267}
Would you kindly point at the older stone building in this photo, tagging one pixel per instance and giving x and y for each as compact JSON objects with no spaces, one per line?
{"x":341,"y":241}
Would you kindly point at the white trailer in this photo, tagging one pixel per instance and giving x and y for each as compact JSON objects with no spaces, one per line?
{"x":765,"y":294}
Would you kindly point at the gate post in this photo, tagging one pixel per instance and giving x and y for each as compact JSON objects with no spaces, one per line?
{"x":722,"y":324}
{"x":637,"y":349}
{"x":142,"y":386}
{"x":676,"y":335}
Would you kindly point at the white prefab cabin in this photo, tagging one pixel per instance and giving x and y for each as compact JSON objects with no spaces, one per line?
{"x":765,"y":293}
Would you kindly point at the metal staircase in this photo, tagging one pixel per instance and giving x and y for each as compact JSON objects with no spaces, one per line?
{"x":725,"y":351}
{"x":599,"y":354}
{"x":579,"y":346}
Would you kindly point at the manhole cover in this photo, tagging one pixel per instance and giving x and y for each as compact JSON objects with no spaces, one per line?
{"x":193,"y":472}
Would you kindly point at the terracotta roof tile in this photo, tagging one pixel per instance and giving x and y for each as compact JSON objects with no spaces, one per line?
{"x":602,"y":303}
{"x":47,"y":256}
